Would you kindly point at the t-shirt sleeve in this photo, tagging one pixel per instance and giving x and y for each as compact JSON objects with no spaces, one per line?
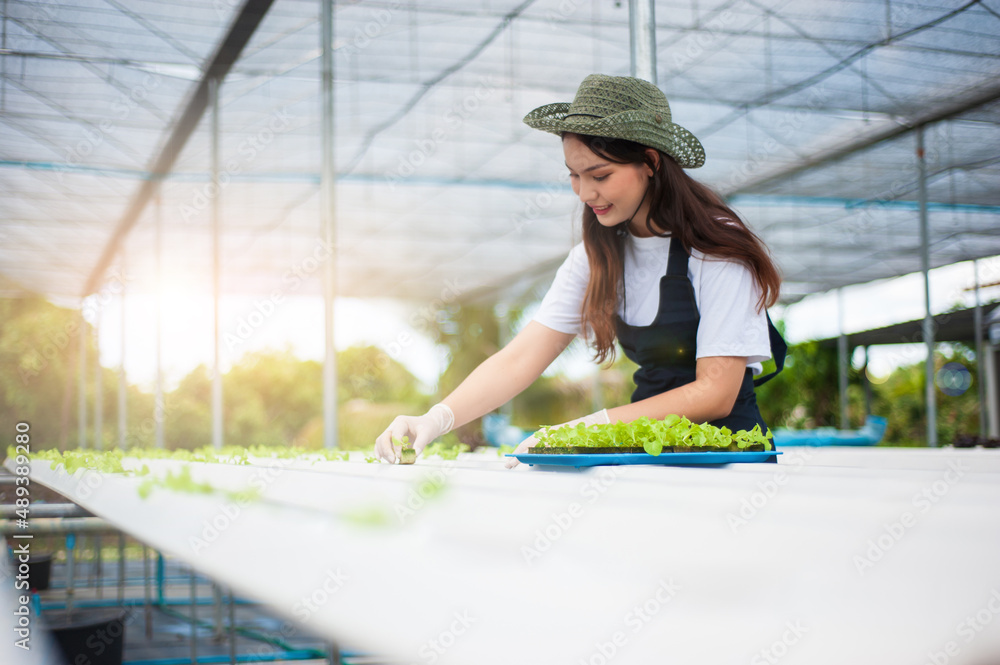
{"x":730,"y":323}
{"x":560,"y":308}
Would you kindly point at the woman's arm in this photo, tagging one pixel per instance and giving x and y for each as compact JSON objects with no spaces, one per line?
{"x":507,"y":372}
{"x":709,"y":397}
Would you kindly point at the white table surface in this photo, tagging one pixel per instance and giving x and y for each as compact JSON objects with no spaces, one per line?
{"x":832,"y":556}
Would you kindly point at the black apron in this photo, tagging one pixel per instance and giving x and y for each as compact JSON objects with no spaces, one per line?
{"x":665,"y":349}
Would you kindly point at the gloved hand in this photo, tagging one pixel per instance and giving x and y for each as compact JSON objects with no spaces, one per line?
{"x":421,"y":430}
{"x":599,"y":418}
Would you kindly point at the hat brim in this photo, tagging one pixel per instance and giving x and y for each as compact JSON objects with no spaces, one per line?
{"x":633,"y":125}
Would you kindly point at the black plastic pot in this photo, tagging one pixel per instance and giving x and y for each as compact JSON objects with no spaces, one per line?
{"x":95,"y":637}
{"x":39,"y":571}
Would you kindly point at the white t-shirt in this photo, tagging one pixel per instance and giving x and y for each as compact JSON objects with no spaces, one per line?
{"x":724,"y":291}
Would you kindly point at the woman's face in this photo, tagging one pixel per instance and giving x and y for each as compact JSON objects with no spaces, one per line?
{"x":614,"y":191}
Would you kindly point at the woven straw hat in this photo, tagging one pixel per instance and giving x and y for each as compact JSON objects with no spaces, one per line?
{"x":621,"y":107}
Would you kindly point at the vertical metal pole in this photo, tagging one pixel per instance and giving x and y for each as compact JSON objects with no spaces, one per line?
{"x":3,"y":63}
{"x":232,"y":629}
{"x":217,"y":611}
{"x":82,"y":385}
{"x":993,"y":412}
{"x":642,"y":37}
{"x":160,"y":574}
{"x":70,"y":571}
{"x":98,"y":386}
{"x":100,"y":566}
{"x":158,"y":397}
{"x":328,"y":220}
{"x":87,"y":539}
{"x":868,"y":387}
{"x":194,"y":620}
{"x":980,"y":364}
{"x":122,"y":383}
{"x":925,"y":254}
{"x":842,"y":361}
{"x":213,"y":100}
{"x":121,"y":568}
{"x":145,"y":593}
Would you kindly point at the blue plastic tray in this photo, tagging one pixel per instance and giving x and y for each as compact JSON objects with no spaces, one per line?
{"x":685,"y":459}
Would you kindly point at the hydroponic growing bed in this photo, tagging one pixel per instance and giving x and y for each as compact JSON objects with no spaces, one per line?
{"x":673,"y":558}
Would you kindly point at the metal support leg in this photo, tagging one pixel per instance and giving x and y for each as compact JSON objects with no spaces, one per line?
{"x":100,"y":567}
{"x":159,"y":578}
{"x":925,"y":255}
{"x":217,"y":598}
{"x":121,"y":568}
{"x":70,"y":571}
{"x":147,"y":605}
{"x":194,"y":620}
{"x":232,"y":629}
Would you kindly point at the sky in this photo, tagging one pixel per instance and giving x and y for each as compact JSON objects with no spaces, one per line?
{"x":297,"y":325}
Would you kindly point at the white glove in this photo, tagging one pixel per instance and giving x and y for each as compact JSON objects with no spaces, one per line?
{"x":421,"y":430}
{"x":599,"y":418}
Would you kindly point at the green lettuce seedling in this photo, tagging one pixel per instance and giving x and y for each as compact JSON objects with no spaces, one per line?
{"x":407,"y":455}
{"x":673,"y":433}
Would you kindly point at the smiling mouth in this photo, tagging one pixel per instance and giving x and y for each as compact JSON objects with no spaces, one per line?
{"x":600,"y":210}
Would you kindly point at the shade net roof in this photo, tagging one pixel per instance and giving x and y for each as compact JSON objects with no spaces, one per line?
{"x":805,"y":109}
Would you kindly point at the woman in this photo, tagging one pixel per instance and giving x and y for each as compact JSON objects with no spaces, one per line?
{"x":665,"y":268}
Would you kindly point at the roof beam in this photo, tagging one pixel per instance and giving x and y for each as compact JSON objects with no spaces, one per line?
{"x":244,"y":25}
{"x":981,"y":98}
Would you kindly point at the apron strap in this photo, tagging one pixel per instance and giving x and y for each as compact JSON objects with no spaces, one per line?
{"x":677,"y":260}
{"x":779,"y":349}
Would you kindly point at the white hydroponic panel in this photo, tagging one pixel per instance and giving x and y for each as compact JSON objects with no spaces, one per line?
{"x":467,"y":562}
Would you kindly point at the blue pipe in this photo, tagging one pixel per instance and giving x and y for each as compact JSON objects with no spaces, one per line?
{"x":298,"y":654}
{"x":129,"y":581}
{"x":138,"y":603}
{"x":850,"y":204}
{"x":159,"y":577}
{"x":247,"y":632}
{"x":297,"y":177}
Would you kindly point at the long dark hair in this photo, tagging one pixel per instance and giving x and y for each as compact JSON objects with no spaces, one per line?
{"x":680,"y":207}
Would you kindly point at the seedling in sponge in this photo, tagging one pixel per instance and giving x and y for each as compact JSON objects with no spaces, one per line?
{"x":407,"y":455}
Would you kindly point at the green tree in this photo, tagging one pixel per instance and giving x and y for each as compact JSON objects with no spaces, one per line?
{"x":273,"y":398}
{"x":556,"y":399}
{"x":901,"y":399}
{"x":471,"y":333}
{"x":188,"y":411}
{"x":39,"y":346}
{"x":369,"y":373}
{"x":270,"y":396}
{"x":804,"y":394}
